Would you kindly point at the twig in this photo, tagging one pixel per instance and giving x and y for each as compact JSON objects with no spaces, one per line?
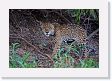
{"x":61,"y":16}
{"x":93,"y":33}
{"x":26,"y":42}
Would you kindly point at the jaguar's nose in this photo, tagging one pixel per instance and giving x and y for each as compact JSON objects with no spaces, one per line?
{"x":47,"y":32}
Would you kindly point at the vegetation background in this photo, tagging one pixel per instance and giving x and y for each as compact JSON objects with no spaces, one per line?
{"x":29,"y":48}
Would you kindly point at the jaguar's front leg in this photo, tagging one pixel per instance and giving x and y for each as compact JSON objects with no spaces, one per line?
{"x":57,"y":44}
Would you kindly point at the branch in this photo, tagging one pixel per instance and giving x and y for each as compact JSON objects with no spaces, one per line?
{"x":36,"y":48}
{"x":61,"y":16}
{"x":93,"y":33}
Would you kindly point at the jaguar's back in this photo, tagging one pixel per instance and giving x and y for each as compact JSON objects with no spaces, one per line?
{"x":72,"y":32}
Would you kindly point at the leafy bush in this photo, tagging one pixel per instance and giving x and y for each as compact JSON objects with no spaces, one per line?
{"x":78,"y":14}
{"x":65,"y":60}
{"x":16,"y":61}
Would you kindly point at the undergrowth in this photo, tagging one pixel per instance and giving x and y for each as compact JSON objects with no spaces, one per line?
{"x":65,"y":60}
{"x":79,"y":14}
{"x":62,"y":59}
{"x":16,"y":61}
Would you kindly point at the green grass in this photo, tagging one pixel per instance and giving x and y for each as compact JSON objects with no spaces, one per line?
{"x":16,"y":61}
